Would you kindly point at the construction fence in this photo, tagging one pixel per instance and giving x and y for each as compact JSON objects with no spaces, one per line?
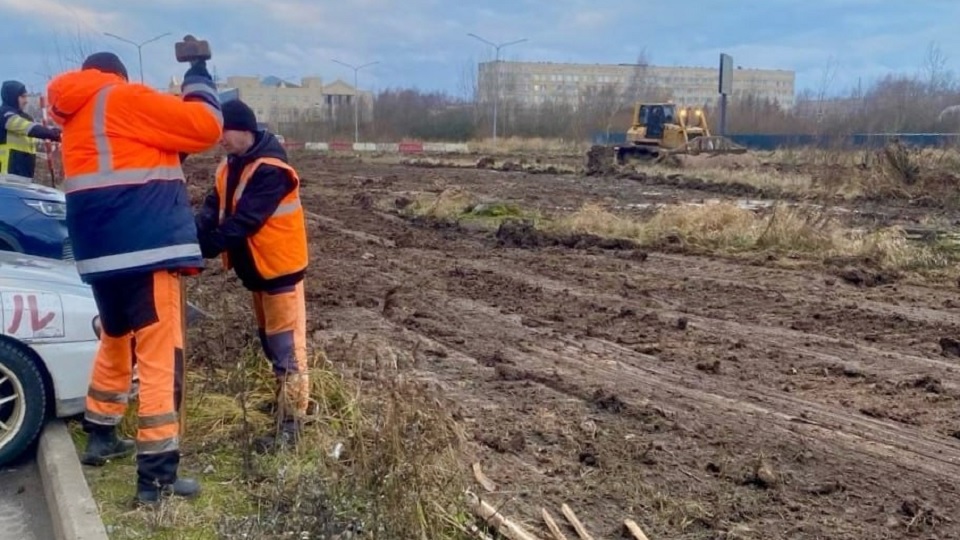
{"x":752,"y":141}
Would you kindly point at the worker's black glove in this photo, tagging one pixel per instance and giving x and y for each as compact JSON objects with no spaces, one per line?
{"x":210,"y":247}
{"x":57,"y":135}
{"x":198,"y":68}
{"x":39,"y":131}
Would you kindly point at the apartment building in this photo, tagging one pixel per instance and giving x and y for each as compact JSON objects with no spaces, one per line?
{"x":534,"y":83}
{"x":276,"y":100}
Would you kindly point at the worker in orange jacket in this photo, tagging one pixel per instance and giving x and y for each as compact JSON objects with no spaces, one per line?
{"x":134,"y":237}
{"x":253,"y":219}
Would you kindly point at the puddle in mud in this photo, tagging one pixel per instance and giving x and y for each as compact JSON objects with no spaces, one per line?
{"x":746,"y":204}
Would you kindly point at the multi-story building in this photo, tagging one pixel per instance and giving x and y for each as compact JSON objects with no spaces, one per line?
{"x":275,"y":100}
{"x":533,"y":83}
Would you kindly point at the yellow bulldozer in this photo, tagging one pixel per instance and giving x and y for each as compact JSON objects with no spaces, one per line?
{"x":659,"y":130}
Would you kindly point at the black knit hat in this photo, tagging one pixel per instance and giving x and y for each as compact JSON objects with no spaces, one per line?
{"x":106,"y":62}
{"x":238,"y":116}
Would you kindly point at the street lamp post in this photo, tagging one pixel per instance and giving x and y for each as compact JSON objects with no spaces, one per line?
{"x":356,"y":97}
{"x":496,"y":74}
{"x":139,"y":47}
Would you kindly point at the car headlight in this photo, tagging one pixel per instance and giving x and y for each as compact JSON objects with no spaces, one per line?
{"x":52,"y":209}
{"x":97,"y":327}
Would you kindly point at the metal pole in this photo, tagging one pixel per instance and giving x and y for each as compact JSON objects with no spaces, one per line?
{"x":356,"y":109}
{"x":356,"y":96}
{"x":139,"y":47}
{"x":723,"y":115}
{"x":496,"y":74}
{"x":496,"y":86}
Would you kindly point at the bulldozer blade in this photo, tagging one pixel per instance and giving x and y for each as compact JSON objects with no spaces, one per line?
{"x":713,"y":145}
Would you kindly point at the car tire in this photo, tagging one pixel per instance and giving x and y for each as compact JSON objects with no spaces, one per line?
{"x":24,"y":416}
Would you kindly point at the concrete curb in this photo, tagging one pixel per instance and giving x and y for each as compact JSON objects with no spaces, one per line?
{"x":72,"y":509}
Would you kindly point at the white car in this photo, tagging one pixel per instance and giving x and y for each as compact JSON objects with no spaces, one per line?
{"x":49,"y":334}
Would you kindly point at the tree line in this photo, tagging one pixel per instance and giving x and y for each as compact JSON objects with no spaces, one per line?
{"x":927,"y":101}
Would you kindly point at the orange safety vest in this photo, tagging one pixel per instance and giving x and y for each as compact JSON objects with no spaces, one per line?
{"x":279,"y":248}
{"x":127,"y":204}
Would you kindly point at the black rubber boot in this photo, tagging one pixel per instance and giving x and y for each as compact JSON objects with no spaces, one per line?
{"x":157,"y":478}
{"x":187,"y":488}
{"x":286,"y":438}
{"x":104,"y":445}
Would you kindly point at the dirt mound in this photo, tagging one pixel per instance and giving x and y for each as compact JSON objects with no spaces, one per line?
{"x":600,"y":161}
{"x":719,"y":161}
{"x":862,"y":277}
{"x":691,"y":182}
{"x":522,"y":234}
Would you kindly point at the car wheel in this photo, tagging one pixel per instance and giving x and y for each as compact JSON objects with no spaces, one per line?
{"x":22,"y":402}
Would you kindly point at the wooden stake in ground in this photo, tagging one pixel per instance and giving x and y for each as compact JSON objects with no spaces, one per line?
{"x":577,"y":526}
{"x":635,"y":529}
{"x":504,"y":526}
{"x":552,"y":525}
{"x":182,"y":416}
{"x":483,"y":479}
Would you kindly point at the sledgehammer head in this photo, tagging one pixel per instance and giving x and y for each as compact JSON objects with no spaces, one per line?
{"x":192,"y":49}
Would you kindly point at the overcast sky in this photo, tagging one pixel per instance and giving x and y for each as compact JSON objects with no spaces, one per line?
{"x":423,"y":43}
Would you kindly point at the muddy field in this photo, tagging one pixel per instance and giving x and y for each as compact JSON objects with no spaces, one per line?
{"x":702,"y":397}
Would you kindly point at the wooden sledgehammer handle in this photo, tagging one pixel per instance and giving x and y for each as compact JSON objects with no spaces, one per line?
{"x":182,"y":416}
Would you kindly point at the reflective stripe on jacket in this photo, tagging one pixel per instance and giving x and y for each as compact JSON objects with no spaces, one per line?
{"x":127,"y":203}
{"x":18,"y":151}
{"x":279,"y":248}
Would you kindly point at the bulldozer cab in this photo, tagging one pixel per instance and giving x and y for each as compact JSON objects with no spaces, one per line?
{"x":654,"y":117}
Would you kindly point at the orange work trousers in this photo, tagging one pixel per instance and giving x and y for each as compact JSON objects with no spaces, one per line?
{"x":282,"y":325}
{"x":141,"y":319}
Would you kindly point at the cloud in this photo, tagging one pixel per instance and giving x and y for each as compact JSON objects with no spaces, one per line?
{"x":424,"y":43}
{"x":63,"y":13}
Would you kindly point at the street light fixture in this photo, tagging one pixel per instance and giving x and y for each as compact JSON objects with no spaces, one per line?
{"x":356,"y":97}
{"x":496,"y":74}
{"x":139,"y":47}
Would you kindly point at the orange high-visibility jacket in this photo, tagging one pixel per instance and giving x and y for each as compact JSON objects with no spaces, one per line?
{"x":127,"y":203}
{"x":279,"y":247}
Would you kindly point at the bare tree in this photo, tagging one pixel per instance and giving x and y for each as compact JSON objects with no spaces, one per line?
{"x":938,"y":77}
{"x":68,"y":52}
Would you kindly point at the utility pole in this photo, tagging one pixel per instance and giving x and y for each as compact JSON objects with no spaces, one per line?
{"x":496,"y":74}
{"x":356,"y":97}
{"x":139,"y":47}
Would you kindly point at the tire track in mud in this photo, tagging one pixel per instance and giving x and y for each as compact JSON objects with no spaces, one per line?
{"x":909,"y":448}
{"x":835,"y":350}
{"x":866,"y":453}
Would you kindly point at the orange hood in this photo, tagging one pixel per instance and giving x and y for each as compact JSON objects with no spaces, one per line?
{"x":69,"y":92}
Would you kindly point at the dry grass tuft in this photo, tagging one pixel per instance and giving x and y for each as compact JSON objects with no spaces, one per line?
{"x":784,"y":230}
{"x":379,"y":457}
{"x":449,"y":204}
{"x":520,"y":145}
{"x":764,"y":179}
{"x":592,"y":218}
{"x":456,"y":205}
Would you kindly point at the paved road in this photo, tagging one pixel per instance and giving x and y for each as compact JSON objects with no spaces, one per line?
{"x":23,"y":510}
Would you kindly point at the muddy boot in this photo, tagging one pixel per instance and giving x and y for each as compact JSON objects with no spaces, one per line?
{"x":104,"y":445}
{"x":187,"y":488}
{"x":286,"y":438}
{"x":157,"y":478}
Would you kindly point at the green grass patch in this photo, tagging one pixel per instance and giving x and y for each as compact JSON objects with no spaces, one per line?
{"x":455,"y":205}
{"x":381,"y":459}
